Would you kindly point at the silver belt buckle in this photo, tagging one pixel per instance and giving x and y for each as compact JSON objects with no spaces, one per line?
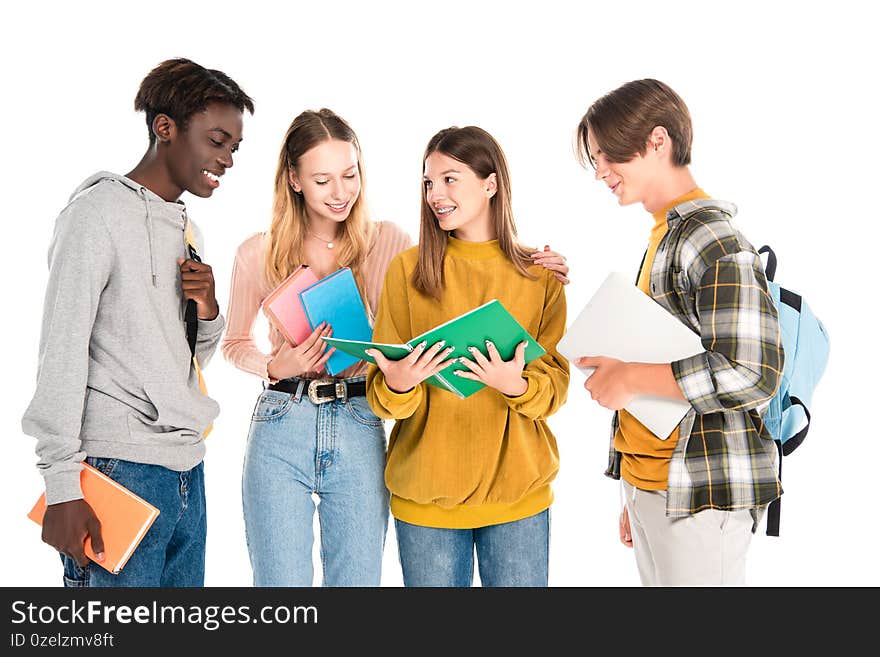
{"x":339,"y":390}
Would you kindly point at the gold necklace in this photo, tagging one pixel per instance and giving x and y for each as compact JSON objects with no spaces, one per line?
{"x":329,"y":244}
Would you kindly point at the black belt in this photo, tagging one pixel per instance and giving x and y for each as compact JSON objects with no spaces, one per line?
{"x":321,"y":391}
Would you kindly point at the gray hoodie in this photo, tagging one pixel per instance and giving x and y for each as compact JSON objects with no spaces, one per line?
{"x":115,"y":375}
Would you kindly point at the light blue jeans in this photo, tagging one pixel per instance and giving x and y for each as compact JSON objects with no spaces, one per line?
{"x":510,"y":554}
{"x":172,"y":552}
{"x":336,"y":450}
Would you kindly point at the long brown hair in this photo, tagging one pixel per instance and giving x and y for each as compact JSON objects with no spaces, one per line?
{"x":477,"y":149}
{"x":289,"y":221}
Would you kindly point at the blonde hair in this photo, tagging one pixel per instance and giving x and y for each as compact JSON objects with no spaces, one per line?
{"x":289,"y":221}
{"x":477,"y":149}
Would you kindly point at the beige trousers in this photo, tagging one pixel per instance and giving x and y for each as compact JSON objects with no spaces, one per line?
{"x":704,"y":549}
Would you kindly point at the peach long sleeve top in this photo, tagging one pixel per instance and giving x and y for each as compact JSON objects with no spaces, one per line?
{"x":249,"y":287}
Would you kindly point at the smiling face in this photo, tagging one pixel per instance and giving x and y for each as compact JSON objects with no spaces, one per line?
{"x":199,"y":154}
{"x":328,"y":177}
{"x":631,"y":181}
{"x":457,"y":196}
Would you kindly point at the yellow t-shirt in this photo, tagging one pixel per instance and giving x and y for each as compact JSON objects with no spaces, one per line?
{"x":488,"y":459}
{"x":644,"y":458}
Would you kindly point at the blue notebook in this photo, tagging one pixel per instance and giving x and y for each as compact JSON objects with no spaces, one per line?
{"x":335,"y":299}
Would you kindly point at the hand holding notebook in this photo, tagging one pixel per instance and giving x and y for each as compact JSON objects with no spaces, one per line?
{"x":491,"y":321}
{"x":124,"y":517}
{"x":302,"y":302}
{"x":620,"y":321}
{"x":310,"y":355}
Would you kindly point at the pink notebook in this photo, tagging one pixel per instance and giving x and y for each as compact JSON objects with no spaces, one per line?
{"x":284,"y":309}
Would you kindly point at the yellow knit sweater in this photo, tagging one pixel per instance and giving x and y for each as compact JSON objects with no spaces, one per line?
{"x":488,"y":459}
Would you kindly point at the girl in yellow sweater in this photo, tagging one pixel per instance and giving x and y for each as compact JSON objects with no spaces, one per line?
{"x":474,"y":472}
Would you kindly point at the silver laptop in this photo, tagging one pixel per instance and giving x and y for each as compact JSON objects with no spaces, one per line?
{"x":620,"y":321}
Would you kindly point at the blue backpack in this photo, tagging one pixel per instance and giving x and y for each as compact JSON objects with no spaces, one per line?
{"x":805,"y":343}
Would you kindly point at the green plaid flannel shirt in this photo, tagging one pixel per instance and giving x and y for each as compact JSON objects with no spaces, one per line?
{"x":708,"y":276}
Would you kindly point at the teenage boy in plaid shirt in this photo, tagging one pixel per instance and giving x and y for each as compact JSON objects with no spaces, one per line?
{"x":693,"y":500}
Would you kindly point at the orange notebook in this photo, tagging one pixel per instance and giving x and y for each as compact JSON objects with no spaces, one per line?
{"x":125,"y":517}
{"x":284,"y":308}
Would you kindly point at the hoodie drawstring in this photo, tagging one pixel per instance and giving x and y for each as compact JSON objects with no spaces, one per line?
{"x":143,"y":194}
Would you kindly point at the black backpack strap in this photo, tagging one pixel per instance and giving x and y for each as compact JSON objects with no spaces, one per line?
{"x":775,"y":508}
{"x":770,"y":269}
{"x":641,"y":264}
{"x":190,"y":315}
{"x":797,"y":438}
{"x":791,"y":299}
{"x":192,"y":325}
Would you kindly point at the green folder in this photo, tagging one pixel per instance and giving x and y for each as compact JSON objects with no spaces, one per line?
{"x":491,"y":321}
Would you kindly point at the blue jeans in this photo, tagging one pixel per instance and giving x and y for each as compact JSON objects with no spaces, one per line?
{"x":335,"y":450}
{"x":172,"y":553}
{"x":510,"y":554}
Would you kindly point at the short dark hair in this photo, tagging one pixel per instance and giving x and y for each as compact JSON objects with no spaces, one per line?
{"x":622,"y":120}
{"x":179,"y":88}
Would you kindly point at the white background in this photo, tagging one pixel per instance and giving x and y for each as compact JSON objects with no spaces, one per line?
{"x":785,"y":123}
